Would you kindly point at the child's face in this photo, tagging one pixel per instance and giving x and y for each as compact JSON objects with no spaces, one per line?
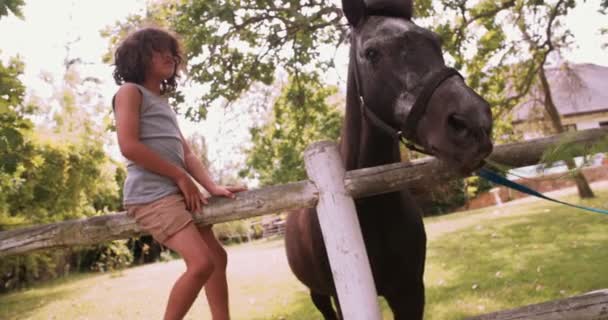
{"x":162,"y":64}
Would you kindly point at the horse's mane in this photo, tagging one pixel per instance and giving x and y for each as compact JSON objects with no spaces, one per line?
{"x":390,"y":8}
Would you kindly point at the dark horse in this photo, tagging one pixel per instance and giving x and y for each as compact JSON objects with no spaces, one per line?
{"x":397,"y":82}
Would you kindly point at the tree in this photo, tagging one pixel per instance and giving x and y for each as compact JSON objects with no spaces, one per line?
{"x":60,"y":170}
{"x":512,"y":41}
{"x":15,"y":149}
{"x":300,"y":116}
{"x":231,"y":45}
{"x":198,"y":145}
{"x":12,"y":6}
{"x":548,"y":45}
{"x":57,"y":171}
{"x":502,"y":46}
{"x":239,"y":43}
{"x":13,"y":124}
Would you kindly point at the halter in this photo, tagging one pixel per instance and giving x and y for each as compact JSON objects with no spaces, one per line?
{"x":409,"y":134}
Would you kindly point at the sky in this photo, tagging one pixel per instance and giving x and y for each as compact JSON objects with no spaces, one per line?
{"x":40,"y":40}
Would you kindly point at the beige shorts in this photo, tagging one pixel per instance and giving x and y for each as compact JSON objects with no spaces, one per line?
{"x":161,"y":218}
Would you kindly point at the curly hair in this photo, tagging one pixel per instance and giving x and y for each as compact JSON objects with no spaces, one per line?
{"x":133,"y":56}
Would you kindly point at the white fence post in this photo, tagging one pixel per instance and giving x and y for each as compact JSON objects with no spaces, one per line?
{"x":342,"y":233}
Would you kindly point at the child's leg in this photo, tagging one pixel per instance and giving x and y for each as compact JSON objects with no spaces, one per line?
{"x":216,"y":287}
{"x":199,"y":266}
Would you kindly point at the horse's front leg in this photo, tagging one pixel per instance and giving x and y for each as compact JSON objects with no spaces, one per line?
{"x":407,"y":303}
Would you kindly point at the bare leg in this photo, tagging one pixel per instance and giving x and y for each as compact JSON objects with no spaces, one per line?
{"x":199,"y":267}
{"x":216,"y":288}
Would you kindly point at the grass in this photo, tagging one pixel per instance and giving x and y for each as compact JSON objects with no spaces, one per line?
{"x":478,"y":262}
{"x":550,"y":252}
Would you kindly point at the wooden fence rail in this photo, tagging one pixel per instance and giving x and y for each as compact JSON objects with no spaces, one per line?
{"x":589,"y":306}
{"x":301,"y":194}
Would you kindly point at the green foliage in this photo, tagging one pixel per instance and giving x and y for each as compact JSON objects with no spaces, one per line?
{"x":446,"y":197}
{"x":503,"y":69}
{"x":232,"y":232}
{"x":55,"y":183}
{"x":13,"y":124}
{"x":59,"y":171}
{"x":475,"y":185}
{"x":301,"y":115}
{"x":12,"y":6}
{"x":604,"y":31}
{"x":198,"y":146}
{"x":56,"y":172}
{"x":18,"y":271}
{"x":443,"y":198}
{"x":568,"y":148}
{"x":120,"y":30}
{"x":233,"y":44}
{"x":108,"y":257}
{"x":14,"y":149}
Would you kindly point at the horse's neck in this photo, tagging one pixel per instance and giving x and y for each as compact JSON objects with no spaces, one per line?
{"x":377,"y":149}
{"x":363,"y":145}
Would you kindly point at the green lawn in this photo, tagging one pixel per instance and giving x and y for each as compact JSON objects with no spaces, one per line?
{"x":478,"y":262}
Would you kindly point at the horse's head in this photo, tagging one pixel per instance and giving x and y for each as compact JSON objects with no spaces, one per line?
{"x":398,"y":65}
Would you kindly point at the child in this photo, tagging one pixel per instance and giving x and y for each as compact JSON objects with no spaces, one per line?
{"x":158,"y":191}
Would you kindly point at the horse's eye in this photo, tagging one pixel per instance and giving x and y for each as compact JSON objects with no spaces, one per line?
{"x":372,"y":55}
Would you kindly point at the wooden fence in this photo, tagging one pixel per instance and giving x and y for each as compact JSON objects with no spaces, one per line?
{"x":589,"y":306}
{"x":332,"y":190}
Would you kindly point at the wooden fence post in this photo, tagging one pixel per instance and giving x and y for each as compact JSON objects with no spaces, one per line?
{"x":342,"y":233}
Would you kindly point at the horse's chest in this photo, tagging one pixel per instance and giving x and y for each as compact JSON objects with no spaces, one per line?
{"x":394,"y":237}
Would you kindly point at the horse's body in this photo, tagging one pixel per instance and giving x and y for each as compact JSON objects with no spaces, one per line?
{"x":391,"y":223}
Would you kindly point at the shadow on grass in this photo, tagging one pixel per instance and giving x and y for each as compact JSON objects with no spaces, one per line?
{"x":22,"y":303}
{"x":511,"y":262}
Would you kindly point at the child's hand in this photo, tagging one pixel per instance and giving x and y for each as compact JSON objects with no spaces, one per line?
{"x":192,"y":195}
{"x":227,"y":191}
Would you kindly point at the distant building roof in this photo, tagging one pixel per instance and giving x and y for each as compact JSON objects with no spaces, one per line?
{"x":575,"y":88}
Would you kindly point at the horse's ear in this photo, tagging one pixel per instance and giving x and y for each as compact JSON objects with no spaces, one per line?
{"x":392,"y":8}
{"x":354,"y":10}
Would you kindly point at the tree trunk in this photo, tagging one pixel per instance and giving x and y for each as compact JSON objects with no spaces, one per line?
{"x":584,"y":190}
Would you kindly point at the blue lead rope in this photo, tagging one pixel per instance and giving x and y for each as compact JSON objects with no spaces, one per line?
{"x":498,"y":179}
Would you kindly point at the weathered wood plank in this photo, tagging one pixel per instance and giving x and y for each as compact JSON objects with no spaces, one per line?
{"x":340,"y":227}
{"x":428,"y":171}
{"x":301,"y":194}
{"x":589,"y":306}
{"x":119,"y":226}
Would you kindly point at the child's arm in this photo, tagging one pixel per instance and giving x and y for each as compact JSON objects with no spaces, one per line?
{"x":198,"y":171}
{"x":127,"y":108}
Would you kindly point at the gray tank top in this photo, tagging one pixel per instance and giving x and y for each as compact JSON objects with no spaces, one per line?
{"x":159,"y":131}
